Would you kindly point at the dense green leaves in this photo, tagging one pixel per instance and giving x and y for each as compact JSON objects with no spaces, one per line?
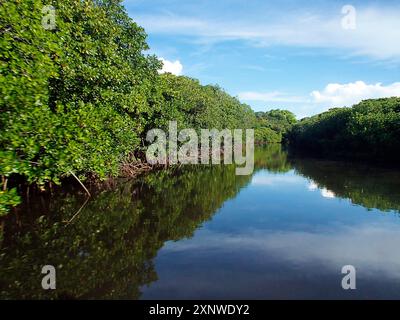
{"x":370,"y":129}
{"x":277,"y":120}
{"x":81,"y":97}
{"x":71,"y":97}
{"x":271,"y":126}
{"x":192,"y":105}
{"x":265,"y":135}
{"x":8,"y":199}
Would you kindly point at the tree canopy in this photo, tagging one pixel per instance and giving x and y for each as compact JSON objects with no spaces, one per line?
{"x":79,"y":98}
{"x":271,"y":126}
{"x":370,"y":130}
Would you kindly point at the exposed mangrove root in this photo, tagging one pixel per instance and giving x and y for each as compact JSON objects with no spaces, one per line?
{"x":80,"y":182}
{"x":134,"y":169}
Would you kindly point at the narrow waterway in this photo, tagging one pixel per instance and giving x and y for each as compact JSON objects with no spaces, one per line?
{"x":203,"y":233}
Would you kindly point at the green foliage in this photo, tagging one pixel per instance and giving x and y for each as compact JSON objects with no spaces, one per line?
{"x":80,"y":98}
{"x":265,"y":135}
{"x":271,"y":126}
{"x":196,"y":106}
{"x":8,"y":199}
{"x":277,"y":120}
{"x":71,"y":97}
{"x":370,"y":129}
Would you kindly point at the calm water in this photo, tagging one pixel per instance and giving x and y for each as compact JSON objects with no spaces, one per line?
{"x":284,"y":232}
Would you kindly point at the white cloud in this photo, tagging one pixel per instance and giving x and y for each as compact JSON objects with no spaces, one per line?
{"x":376,"y":34}
{"x":339,"y":95}
{"x":274,"y":96}
{"x":175,"y":67}
{"x":333,"y":95}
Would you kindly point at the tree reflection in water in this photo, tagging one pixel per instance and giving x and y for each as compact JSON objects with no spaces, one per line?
{"x":107,"y":251}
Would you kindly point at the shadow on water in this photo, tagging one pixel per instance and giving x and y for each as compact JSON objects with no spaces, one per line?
{"x":107,"y":251}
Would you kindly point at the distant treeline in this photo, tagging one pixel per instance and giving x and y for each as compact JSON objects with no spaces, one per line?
{"x":272,"y":126}
{"x":369,"y":130}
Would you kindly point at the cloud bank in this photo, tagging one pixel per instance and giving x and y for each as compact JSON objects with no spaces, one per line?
{"x":339,"y":95}
{"x":274,"y":96}
{"x":333,"y":95}
{"x":376,"y":34}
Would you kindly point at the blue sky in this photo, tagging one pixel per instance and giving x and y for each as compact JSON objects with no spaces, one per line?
{"x":305,"y":56}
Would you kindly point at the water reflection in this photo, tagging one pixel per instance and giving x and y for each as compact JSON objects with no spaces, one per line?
{"x":327,"y":193}
{"x":324,"y":191}
{"x":280,"y":264}
{"x":187,"y":233}
{"x":107,"y":251}
{"x":365,"y":185}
